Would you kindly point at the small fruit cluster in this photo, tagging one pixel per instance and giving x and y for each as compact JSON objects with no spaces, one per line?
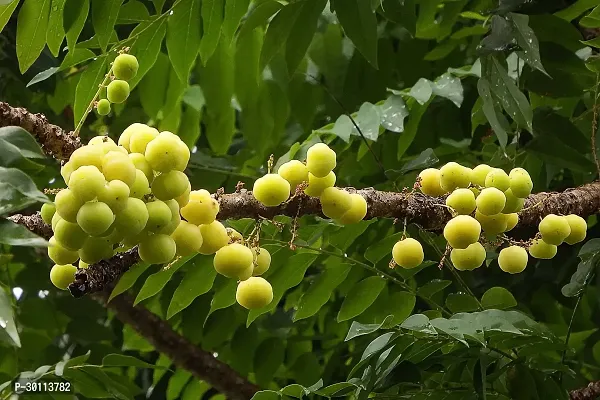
{"x":319,"y":179}
{"x":124,"y":68}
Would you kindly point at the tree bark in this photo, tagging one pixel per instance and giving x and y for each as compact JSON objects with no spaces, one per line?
{"x":590,"y":392}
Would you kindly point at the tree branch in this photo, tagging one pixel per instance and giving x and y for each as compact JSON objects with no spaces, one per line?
{"x":590,"y":392}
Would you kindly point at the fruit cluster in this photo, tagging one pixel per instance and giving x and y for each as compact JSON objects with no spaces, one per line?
{"x":124,"y":68}
{"x":486,"y":199}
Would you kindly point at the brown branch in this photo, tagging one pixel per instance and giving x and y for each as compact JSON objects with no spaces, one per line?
{"x":590,"y":392}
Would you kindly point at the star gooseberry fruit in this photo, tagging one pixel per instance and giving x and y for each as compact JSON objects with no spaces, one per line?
{"x":462,"y":231}
{"x":335,"y":202}
{"x":479,"y":174}
{"x":357,"y":211}
{"x":201,"y":208}
{"x":47,"y":212}
{"x":492,"y":224}
{"x":454,"y":175}
{"x":103,"y":107}
{"x":316,"y":186}
{"x":232,"y":260}
{"x":541,"y":249}
{"x":497,"y":178}
{"x":578,"y":229}
{"x":117,"y":91}
{"x":491,"y":201}
{"x":188,"y":238}
{"x":271,"y":190}
{"x":462,"y":201}
{"x":214,"y":237}
{"x":408,"y":253}
{"x":254,"y":292}
{"x":513,"y":259}
{"x":520,"y":182}
{"x":468,"y":259}
{"x":262,"y":261}
{"x":294,"y":171}
{"x":125,"y":66}
{"x":320,"y":160}
{"x":95,"y":218}
{"x":430,"y":182}
{"x":86,"y":182}
{"x":62,"y":276}
{"x":554,"y":229}
{"x":157,"y":249}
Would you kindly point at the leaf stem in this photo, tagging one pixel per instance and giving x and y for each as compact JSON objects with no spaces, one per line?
{"x":569,"y":330}
{"x":91,"y":105}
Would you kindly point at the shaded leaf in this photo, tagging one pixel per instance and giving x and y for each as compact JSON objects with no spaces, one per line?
{"x":183,"y":36}
{"x":212,"y":19}
{"x":146,"y":47}
{"x":527,"y":41}
{"x":364,"y":294}
{"x":382,"y":248}
{"x":17,"y":235}
{"x":302,"y":32}
{"x":434,"y":286}
{"x":495,"y":117}
{"x":128,"y":279}
{"x":23,"y":140}
{"x":499,"y":298}
{"x":56,"y":32}
{"x":120,"y":360}
{"x":360,"y":25}
{"x":104,"y":16}
{"x":87,"y":87}
{"x":410,"y":132}
{"x":32,"y":23}
{"x":320,"y":290}
{"x":357,"y":329}
{"x":234,"y":11}
{"x":42,"y":76}
{"x":74,"y":17}
{"x":157,"y":281}
{"x":393,"y":112}
{"x":8,"y":329}
{"x":461,"y":302}
{"x":580,"y":278}
{"x":17,"y":191}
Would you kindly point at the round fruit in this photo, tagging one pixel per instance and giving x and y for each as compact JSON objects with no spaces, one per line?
{"x":214,"y":236}
{"x":47,"y":212}
{"x":69,"y":235}
{"x":479,"y":174}
{"x":117,"y":91}
{"x":262,"y":261}
{"x":430,"y":182}
{"x":82,"y":264}
{"x":188,"y":239}
{"x":541,"y":249}
{"x":468,"y":259}
{"x":520,"y":182}
{"x":184,"y":198}
{"x":201,"y":208}
{"x":132,"y":220}
{"x":140,"y":162}
{"x":175,"y":218}
{"x":140,"y":186}
{"x":357,"y":211}
{"x":62,"y":276}
{"x":498,"y":179}
{"x":513,"y":203}
{"x":134,"y":240}
{"x":462,"y":201}
{"x":317,"y":185}
{"x":490,"y":201}
{"x":159,"y":215}
{"x":66,"y":171}
{"x":271,"y":190}
{"x":103,"y":107}
{"x":320,"y":160}
{"x":578,"y":229}
{"x":454,"y":175}
{"x":511,"y":221}
{"x":408,"y":253}
{"x":294,"y":171}
{"x":87,"y":155}
{"x":184,"y":156}
{"x":95,"y":218}
{"x":125,"y":66}
{"x":67,"y":205}
{"x":234,"y":236}
{"x":492,"y":224}
{"x":115,"y":195}
{"x":118,"y":166}
{"x":59,"y":254}
{"x":246,"y":274}
{"x":125,"y":137}
{"x":232,"y":260}
{"x":86,"y":182}
{"x":165,"y":152}
{"x":95,"y":249}
{"x":169,"y":185}
{"x":254,"y":292}
{"x":55,"y":220}
{"x":140,"y":138}
{"x":335,"y":202}
{"x":100,"y":140}
{"x":157,"y":249}
{"x":513,"y":259}
{"x":462,"y":231}
{"x":554,"y":229}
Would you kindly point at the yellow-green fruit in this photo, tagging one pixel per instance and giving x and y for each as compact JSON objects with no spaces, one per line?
{"x":430,"y":182}
{"x":254,"y":292}
{"x":188,"y":239}
{"x":234,"y":235}
{"x":114,"y":235}
{"x":520,"y":182}
{"x":132,"y":220}
{"x":175,"y":218}
{"x":498,"y":179}
{"x":118,"y":166}
{"x":335,"y":202}
{"x":271,"y":190}
{"x":357,"y":211}
{"x":95,"y":249}
{"x":454,"y":175}
{"x":320,"y":160}
{"x":578,"y":229}
{"x":541,"y":249}
{"x":125,"y":66}
{"x":115,"y":195}
{"x":62,"y":276}
{"x":100,"y":140}
{"x":462,"y":231}
{"x":86,"y":182}
{"x":214,"y":237}
{"x":134,"y":240}
{"x":408,"y":253}
{"x":479,"y":174}
{"x":140,"y":162}
{"x":140,"y":186}
{"x":66,"y":171}
{"x":201,"y":208}
{"x":55,"y":220}
{"x":554,"y":229}
{"x":246,"y":274}
{"x":140,"y":139}
{"x":69,"y":235}
{"x":59,"y":254}
{"x":492,"y":224}
{"x":125,"y":137}
{"x":184,"y":198}
{"x":95,"y":218}
{"x":165,"y":152}
{"x":117,"y":91}
{"x":157,"y":249}
{"x":67,"y":205}
{"x":232,"y":260}
{"x":511,"y":221}
{"x":103,"y":107}
{"x":47,"y":212}
{"x":513,"y":259}
{"x":468,"y":259}
{"x":262,"y":261}
{"x":294,"y":171}
{"x":317,"y":185}
{"x":462,"y":201}
{"x":513,"y":203}
{"x":82,"y":264}
{"x":159,"y":215}
{"x":490,"y":201}
{"x":87,"y":155}
{"x":169,"y":185}
{"x":184,"y":156}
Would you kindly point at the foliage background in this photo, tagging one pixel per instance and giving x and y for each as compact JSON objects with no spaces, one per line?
{"x":508,"y":82}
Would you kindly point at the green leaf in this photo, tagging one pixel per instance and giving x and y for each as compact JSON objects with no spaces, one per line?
{"x":183,"y":36}
{"x":337,"y":389}
{"x":302,"y":32}
{"x":189,"y":129}
{"x":527,"y":40}
{"x":128,"y":279}
{"x":22,"y":139}
{"x":278,"y":32}
{"x":259,"y":15}
{"x":357,"y":329}
{"x":74,"y":17}
{"x":116,"y":389}
{"x":153,"y":88}
{"x":434,"y":286}
{"x":87,"y":385}
{"x":121,"y":360}
{"x":494,"y":116}
{"x":87,"y":87}
{"x":212,"y":19}
{"x":400,"y":306}
{"x":266,"y":395}
{"x":592,"y":20}
{"x":177,"y":382}
{"x":320,"y":290}
{"x":580,"y":278}
{"x":426,"y":159}
{"x":247,"y":75}
{"x":17,"y":191}
{"x":224,"y":296}
{"x":6,"y":11}
{"x":71,"y":362}
{"x":499,"y":298}
{"x":32,"y":24}
{"x":133,"y":12}
{"x":410,"y":131}
{"x":461,"y":302}
{"x":194,"y":97}
{"x":576,"y":9}
{"x":157,"y":281}
{"x":393,"y":112}
{"x":234,"y":11}
{"x":364,"y":293}
{"x":8,"y":332}
{"x":56,"y":31}
{"x":268,"y":358}
{"x":360,"y":25}
{"x":195,"y":390}
{"x":42,"y":76}
{"x":382,"y":248}
{"x":17,"y":235}
{"x":146,"y":47}
{"x":104,"y":16}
